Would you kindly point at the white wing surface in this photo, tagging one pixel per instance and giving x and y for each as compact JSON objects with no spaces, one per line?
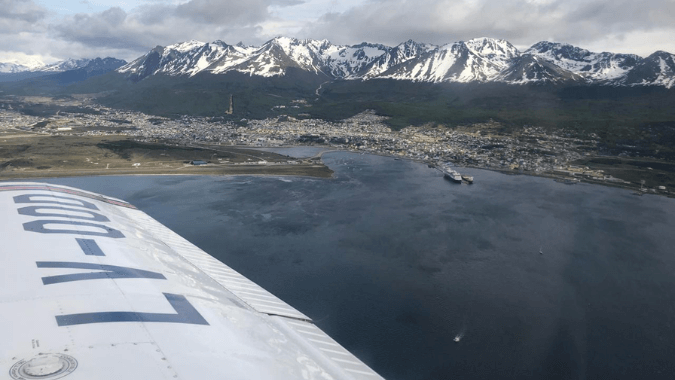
{"x":92,"y":288}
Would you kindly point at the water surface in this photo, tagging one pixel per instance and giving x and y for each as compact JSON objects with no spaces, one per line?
{"x":394,"y":262}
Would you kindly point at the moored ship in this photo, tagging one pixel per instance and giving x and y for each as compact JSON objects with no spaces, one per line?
{"x":467,"y":178}
{"x":451,"y":174}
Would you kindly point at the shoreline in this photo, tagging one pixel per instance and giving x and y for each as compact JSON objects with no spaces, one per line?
{"x":314,"y":171}
{"x":37,"y":156}
{"x":553,"y":176}
{"x":306,"y":169}
{"x":559,"y":178}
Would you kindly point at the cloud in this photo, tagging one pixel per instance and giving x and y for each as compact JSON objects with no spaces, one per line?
{"x":111,"y":29}
{"x":21,"y":10}
{"x":21,"y":23}
{"x":127,"y":32}
{"x":163,"y":24}
{"x":221,"y":12}
{"x":521,"y":22}
{"x":18,"y":16}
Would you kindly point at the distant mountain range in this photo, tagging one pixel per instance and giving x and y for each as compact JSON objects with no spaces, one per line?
{"x":80,"y":68}
{"x":551,"y":85}
{"x":480,"y":60}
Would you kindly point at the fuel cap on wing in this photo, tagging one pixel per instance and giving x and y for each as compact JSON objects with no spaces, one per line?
{"x":43,"y":366}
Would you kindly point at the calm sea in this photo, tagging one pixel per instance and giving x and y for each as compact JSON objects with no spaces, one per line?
{"x":394,"y":262}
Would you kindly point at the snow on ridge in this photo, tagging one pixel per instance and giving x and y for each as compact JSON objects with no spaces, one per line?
{"x":30,"y":64}
{"x":69,"y":64}
{"x":594,"y":66}
{"x":129,"y":67}
{"x":186,"y":46}
{"x":36,"y":65}
{"x":492,"y":47}
{"x":480,"y":59}
{"x":12,"y":68}
{"x":665,"y":76}
{"x":21,"y":65}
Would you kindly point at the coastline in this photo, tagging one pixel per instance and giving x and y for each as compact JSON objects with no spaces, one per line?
{"x":564,"y":179}
{"x":38,"y":156}
{"x":317,"y":171}
{"x":310,"y":166}
{"x":556,"y":177}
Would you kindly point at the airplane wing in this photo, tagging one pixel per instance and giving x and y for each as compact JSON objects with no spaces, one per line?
{"x":93,"y":288}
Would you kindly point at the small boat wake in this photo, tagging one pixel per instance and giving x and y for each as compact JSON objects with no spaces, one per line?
{"x":461,"y":334}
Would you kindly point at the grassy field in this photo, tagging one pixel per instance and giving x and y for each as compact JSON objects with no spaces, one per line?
{"x":24,"y":155}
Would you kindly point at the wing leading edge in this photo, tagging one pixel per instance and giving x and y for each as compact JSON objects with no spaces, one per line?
{"x":93,"y":288}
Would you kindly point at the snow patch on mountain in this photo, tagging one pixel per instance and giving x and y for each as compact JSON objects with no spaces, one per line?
{"x":499,"y":52}
{"x":185,"y":47}
{"x":657,"y":69}
{"x":455,"y":62}
{"x":396,"y":56}
{"x":69,"y":64}
{"x":533,"y":69}
{"x":38,"y":66}
{"x":665,"y":75}
{"x":477,"y":60}
{"x":595,"y":66}
{"x":12,"y":68}
{"x":347,"y":62}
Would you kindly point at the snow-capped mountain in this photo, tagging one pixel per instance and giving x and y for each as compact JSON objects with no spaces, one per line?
{"x":270,"y":59}
{"x":477,"y":60}
{"x":529,"y":68}
{"x":38,"y":66}
{"x":449,"y":63}
{"x":15,"y":66}
{"x":68,"y":71}
{"x":12,"y":68}
{"x":395,"y":56}
{"x":657,"y":69}
{"x":497,"y":51}
{"x":352,"y":61}
{"x":594,"y":66}
{"x":58,"y":67}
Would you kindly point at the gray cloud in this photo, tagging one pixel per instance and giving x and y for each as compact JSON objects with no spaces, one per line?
{"x":219,"y":12}
{"x":161,"y":24}
{"x":109,"y":29}
{"x":521,"y":22}
{"x":618,"y":25}
{"x":22,"y":23}
{"x":21,"y":10}
{"x":20,"y":16}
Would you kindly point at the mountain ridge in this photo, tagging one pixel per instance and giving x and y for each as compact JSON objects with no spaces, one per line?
{"x":14,"y":72}
{"x":481,"y":60}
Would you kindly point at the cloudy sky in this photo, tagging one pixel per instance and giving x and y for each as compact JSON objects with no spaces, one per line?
{"x":50,"y":30}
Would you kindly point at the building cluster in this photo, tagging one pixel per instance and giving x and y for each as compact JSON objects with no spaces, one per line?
{"x":530,"y":149}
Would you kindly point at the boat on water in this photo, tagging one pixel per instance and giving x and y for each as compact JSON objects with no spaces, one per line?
{"x":452,"y":175}
{"x":467,"y":178}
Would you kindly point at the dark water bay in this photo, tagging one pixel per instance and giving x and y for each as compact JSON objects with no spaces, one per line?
{"x":394,"y":262}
